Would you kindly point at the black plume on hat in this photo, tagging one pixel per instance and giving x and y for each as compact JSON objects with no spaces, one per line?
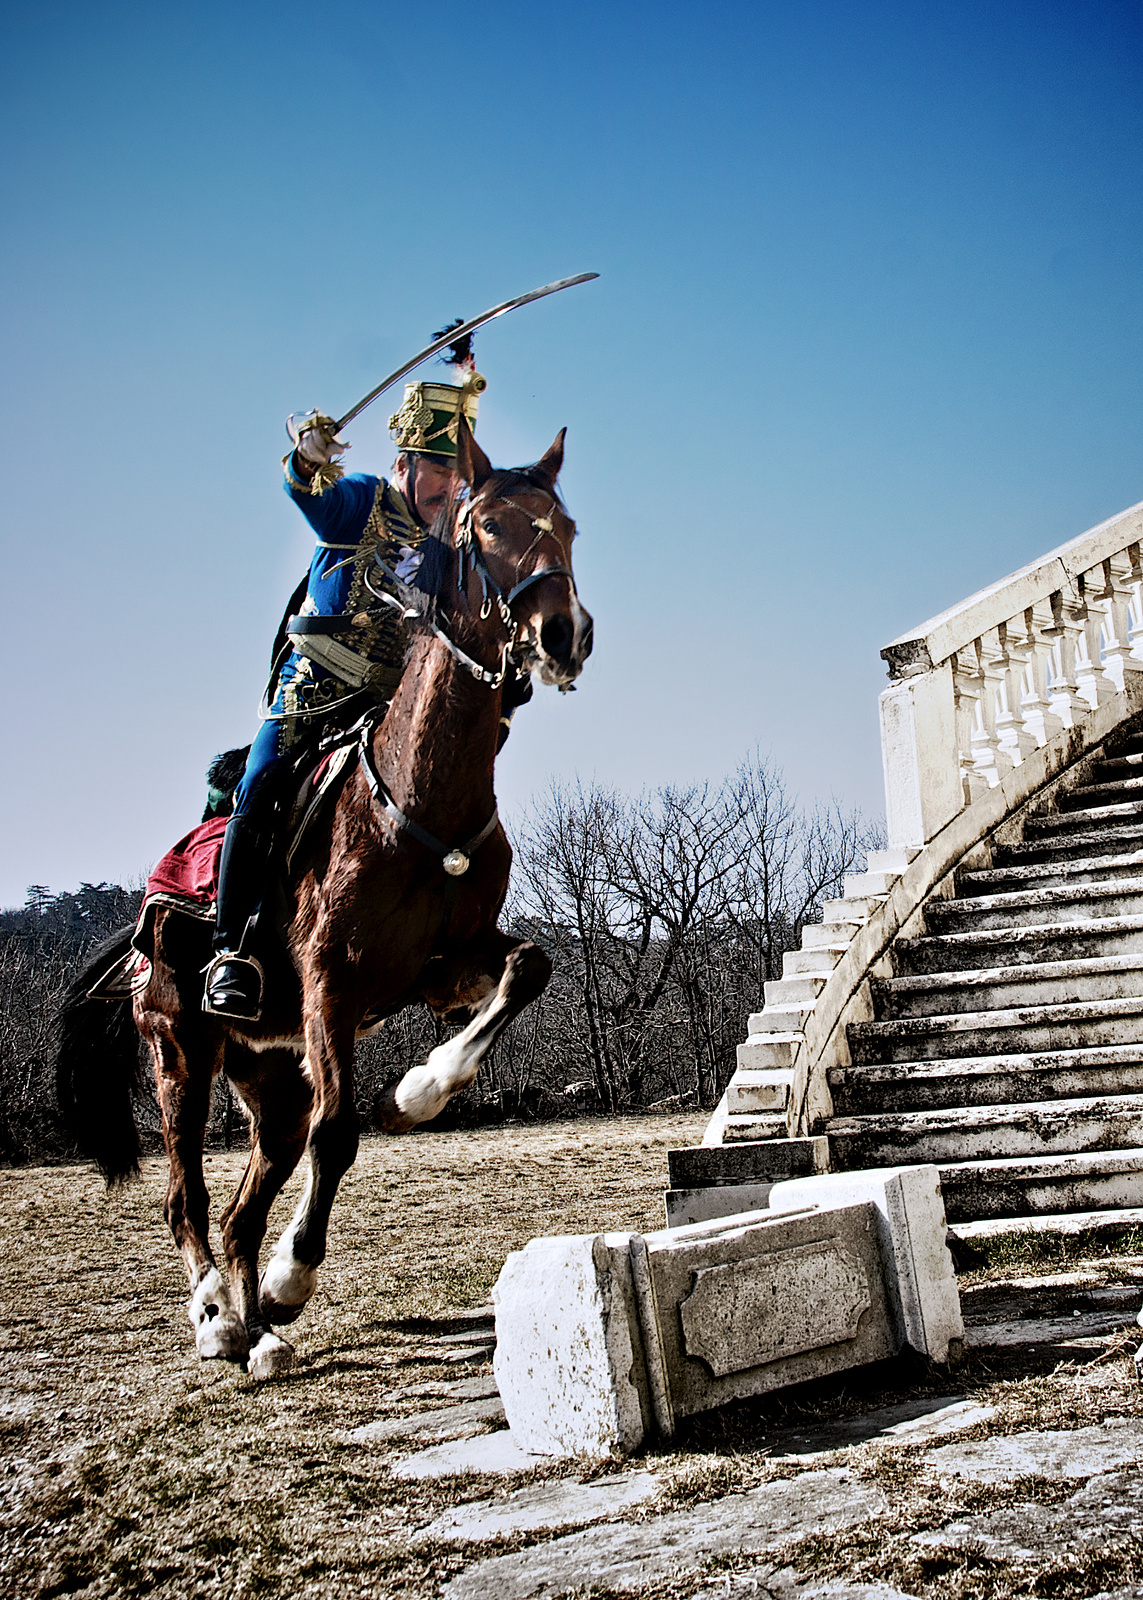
{"x":460,"y":353}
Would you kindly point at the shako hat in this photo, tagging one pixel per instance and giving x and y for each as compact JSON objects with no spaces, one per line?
{"x":429,"y":418}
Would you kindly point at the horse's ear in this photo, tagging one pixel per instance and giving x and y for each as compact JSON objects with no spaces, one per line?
{"x":471,"y":462}
{"x":547,"y":468}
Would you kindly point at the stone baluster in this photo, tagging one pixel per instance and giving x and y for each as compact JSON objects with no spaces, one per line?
{"x":1121,"y":583}
{"x":1094,"y":684}
{"x":1039,"y":715}
{"x":968,"y":682}
{"x":992,"y":760}
{"x":1065,"y":631}
{"x":1012,"y":733}
{"x":1131,"y":556}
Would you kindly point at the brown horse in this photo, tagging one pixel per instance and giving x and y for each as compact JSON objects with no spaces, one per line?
{"x":380,"y":911}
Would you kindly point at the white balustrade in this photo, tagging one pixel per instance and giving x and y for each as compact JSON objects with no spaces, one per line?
{"x":976,"y":690}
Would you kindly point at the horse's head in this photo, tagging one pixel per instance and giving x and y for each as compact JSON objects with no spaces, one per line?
{"x":516,"y":524}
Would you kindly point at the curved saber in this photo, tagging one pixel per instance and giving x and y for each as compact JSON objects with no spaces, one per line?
{"x":459,"y":333}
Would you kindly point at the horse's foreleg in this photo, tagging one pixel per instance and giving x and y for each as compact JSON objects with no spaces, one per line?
{"x":279,"y":1098}
{"x":523,"y":971}
{"x":290,"y":1275}
{"x":183,"y":1082}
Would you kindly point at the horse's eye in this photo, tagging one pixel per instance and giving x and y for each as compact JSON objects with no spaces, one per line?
{"x":491,"y":527}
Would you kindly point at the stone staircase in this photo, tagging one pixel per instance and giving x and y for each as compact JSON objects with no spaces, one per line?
{"x":1008,"y":1048}
{"x":975,"y":998}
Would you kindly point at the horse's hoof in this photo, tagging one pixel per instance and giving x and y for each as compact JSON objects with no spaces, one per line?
{"x":388,"y":1116}
{"x":273,"y":1312}
{"x":222,"y":1341}
{"x":270,"y":1357}
{"x":219,"y":1333}
{"x":286,"y":1287}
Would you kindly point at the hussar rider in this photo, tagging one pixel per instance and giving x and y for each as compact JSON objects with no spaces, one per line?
{"x":345,"y":647}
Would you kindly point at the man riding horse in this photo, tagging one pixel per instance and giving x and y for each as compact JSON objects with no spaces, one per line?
{"x":342,"y":652}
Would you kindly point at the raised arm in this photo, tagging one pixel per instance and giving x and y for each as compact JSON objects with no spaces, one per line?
{"x":334,"y":506}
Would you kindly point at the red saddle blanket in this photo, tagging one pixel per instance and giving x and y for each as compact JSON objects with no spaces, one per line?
{"x":189,"y":872}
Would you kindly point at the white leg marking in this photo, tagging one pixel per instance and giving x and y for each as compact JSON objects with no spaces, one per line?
{"x":425,"y":1091}
{"x":218,"y":1329}
{"x":285,"y":1280}
{"x":270,"y":1356}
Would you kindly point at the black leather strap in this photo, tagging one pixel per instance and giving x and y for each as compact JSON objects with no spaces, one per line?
{"x":304,"y":625}
{"x":393,"y":811}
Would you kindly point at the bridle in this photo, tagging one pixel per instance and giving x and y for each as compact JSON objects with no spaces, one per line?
{"x":471,"y":559}
{"x":456,"y":861}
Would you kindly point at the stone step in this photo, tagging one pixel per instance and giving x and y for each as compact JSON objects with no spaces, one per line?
{"x":862,"y":885}
{"x":1097,"y":841}
{"x":855,"y":912}
{"x":833,"y":935}
{"x":1057,"y":822}
{"x":768,"y":1051}
{"x":893,"y":859}
{"x":1036,"y":983}
{"x":981,"y":1033}
{"x":802,"y":990}
{"x":819,"y":958}
{"x":986,"y":1080}
{"x":752,"y":1126}
{"x":1116,"y":1220}
{"x":779,"y":1019}
{"x":1085,"y":796}
{"x":1042,"y":1185}
{"x":1121,"y":766}
{"x":986,"y":1133}
{"x":1076,"y":869}
{"x":752,"y":1091}
{"x":1010,"y":947}
{"x":699,"y":1166}
{"x":1121,"y":898}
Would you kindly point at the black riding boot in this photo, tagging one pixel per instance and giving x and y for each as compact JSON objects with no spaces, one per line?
{"x":234,"y":980}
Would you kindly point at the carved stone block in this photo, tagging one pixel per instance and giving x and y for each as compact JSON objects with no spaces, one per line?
{"x":751,"y":1303}
{"x":604,"y":1338}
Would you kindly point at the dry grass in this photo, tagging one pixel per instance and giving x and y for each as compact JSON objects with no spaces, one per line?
{"x":131,"y":1468}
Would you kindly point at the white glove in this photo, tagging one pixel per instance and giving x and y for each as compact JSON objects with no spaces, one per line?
{"x":313,"y":434}
{"x":408,"y":563}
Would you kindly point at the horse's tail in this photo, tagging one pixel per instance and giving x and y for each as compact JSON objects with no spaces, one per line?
{"x":98,"y":1068}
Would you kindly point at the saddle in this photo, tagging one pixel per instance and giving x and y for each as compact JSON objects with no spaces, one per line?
{"x":185,"y":880}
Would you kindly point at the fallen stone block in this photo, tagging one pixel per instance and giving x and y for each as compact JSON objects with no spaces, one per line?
{"x":604,"y":1338}
{"x":913,"y":1234}
{"x":544,"y":1505}
{"x":569,"y":1360}
{"x":628,"y":1555}
{"x":1046,"y":1453}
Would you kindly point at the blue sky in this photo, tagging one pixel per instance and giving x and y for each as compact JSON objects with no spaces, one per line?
{"x":867,"y":336}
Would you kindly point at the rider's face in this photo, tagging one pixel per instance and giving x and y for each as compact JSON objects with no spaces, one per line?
{"x":433,"y":483}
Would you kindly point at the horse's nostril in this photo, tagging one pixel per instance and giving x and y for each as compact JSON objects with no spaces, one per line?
{"x":556,"y":637}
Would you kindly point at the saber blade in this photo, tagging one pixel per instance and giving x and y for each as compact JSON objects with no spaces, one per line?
{"x":458,"y":333}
